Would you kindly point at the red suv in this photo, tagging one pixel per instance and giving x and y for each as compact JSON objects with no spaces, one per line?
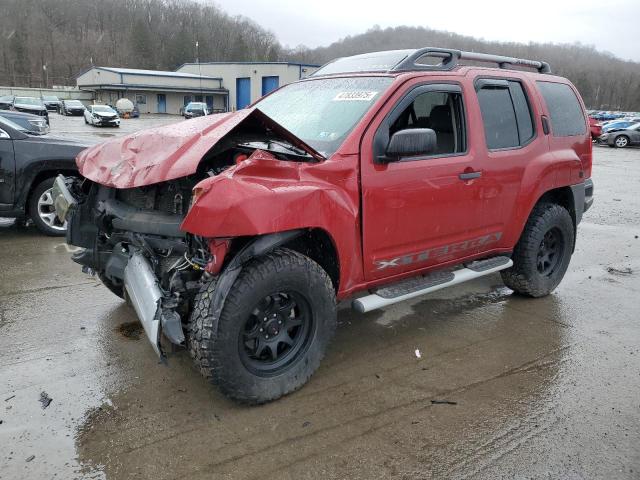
{"x":388,"y":175}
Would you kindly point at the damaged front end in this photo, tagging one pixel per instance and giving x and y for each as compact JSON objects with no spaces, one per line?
{"x":127,"y":220}
{"x":131,"y":239}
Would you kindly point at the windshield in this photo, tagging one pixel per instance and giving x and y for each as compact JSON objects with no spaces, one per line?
{"x":4,"y":121}
{"x":50,"y":98}
{"x":103,"y":109}
{"x":73,"y":103}
{"x":195,"y":106}
{"x":323,"y":112}
{"x":28,"y":101}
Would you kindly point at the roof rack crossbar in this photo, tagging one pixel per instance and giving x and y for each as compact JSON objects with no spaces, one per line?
{"x":451,"y":58}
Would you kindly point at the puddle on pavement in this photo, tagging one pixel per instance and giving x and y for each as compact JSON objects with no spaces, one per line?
{"x":154,"y":429}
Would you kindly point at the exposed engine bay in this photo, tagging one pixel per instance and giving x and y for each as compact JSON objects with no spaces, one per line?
{"x":119,"y":228}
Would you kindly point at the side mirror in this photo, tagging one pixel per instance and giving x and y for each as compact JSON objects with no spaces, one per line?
{"x":411,"y":142}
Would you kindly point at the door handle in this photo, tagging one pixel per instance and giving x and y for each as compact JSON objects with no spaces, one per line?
{"x":469,"y":175}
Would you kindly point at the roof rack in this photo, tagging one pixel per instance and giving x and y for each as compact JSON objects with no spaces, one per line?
{"x":450,"y":59}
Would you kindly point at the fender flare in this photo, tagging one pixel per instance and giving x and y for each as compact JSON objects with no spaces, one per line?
{"x":258,"y":246}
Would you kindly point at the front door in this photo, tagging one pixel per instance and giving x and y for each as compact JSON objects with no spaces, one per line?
{"x":7,"y":170}
{"x":423,"y":210}
{"x":162,"y":103}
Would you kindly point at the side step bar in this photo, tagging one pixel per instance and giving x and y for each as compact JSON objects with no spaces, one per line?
{"x":417,"y":286}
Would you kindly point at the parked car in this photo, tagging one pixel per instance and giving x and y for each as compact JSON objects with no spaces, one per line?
{"x":28,"y":167}
{"x":196,"y":109}
{"x":101,"y":116}
{"x":380,"y":173}
{"x":31,"y":105}
{"x":51,"y":103}
{"x":621,"y":137}
{"x":33,"y":124}
{"x":72,"y":107}
{"x":595,"y":128}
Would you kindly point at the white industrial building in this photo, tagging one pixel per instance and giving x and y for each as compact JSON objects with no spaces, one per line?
{"x":153,"y":91}
{"x":224,"y":86}
{"x":248,"y":81}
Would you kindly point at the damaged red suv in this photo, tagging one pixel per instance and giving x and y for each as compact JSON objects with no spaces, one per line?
{"x":388,"y":175}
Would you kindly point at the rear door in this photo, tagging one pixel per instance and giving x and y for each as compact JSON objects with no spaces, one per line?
{"x":7,"y":169}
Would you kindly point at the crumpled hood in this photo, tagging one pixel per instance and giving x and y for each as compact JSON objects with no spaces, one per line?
{"x":168,"y":152}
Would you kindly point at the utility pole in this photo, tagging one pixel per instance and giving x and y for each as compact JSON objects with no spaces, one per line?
{"x":199,"y":70}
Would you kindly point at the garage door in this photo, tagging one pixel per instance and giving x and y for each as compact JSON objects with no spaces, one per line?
{"x":243,"y":92}
{"x":269,"y":84}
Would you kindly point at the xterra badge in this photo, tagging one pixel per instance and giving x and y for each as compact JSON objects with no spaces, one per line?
{"x":436,"y":252}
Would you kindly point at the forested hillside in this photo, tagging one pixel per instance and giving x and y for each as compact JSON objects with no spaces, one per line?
{"x":67,"y":36}
{"x":604,"y":81}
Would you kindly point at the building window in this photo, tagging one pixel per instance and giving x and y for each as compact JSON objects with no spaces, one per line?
{"x":141,"y":99}
{"x":187,"y":100}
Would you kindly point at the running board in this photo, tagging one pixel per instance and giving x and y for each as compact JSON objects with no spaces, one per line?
{"x":417,"y":286}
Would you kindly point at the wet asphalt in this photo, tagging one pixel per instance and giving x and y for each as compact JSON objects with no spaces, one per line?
{"x":545,"y":388}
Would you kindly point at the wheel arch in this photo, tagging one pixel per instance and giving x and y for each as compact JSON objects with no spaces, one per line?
{"x":315,"y":243}
{"x":568,"y":197}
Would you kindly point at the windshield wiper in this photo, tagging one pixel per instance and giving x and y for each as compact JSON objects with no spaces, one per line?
{"x":284,"y":145}
{"x":290,"y":147}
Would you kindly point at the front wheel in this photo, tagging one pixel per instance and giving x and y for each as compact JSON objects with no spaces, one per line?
{"x":541,"y":256}
{"x":273,"y":331}
{"x":42,"y":210}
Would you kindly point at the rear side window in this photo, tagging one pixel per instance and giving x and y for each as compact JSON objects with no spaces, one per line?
{"x":505,"y":113}
{"x":566,"y":114}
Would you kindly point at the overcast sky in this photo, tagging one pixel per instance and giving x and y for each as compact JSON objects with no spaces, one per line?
{"x":612,"y":25}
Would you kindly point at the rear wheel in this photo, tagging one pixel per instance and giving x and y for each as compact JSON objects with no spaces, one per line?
{"x":42,"y":210}
{"x":543,"y":252}
{"x":273,"y":330}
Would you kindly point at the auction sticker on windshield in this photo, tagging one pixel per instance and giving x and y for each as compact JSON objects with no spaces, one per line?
{"x":355,"y":96}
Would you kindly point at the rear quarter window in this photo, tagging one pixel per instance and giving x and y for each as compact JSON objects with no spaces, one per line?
{"x":567,"y":118}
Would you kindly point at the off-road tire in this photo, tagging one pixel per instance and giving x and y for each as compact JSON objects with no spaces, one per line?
{"x":37,"y":192}
{"x":524,"y":277}
{"x":117,"y":290}
{"x":214,"y":344}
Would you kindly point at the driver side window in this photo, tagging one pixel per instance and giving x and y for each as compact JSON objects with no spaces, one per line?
{"x":439,"y":111}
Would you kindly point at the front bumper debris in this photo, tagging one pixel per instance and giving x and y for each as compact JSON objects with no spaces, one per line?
{"x":143,"y":291}
{"x":63,"y":200}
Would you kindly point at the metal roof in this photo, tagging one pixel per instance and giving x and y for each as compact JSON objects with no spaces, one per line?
{"x":295,"y":64}
{"x":154,"y":73}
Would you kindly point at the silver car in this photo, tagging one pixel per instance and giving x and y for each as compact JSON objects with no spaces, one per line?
{"x":621,"y":137}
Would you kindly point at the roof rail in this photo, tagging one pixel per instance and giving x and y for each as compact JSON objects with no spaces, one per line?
{"x":451,"y":58}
